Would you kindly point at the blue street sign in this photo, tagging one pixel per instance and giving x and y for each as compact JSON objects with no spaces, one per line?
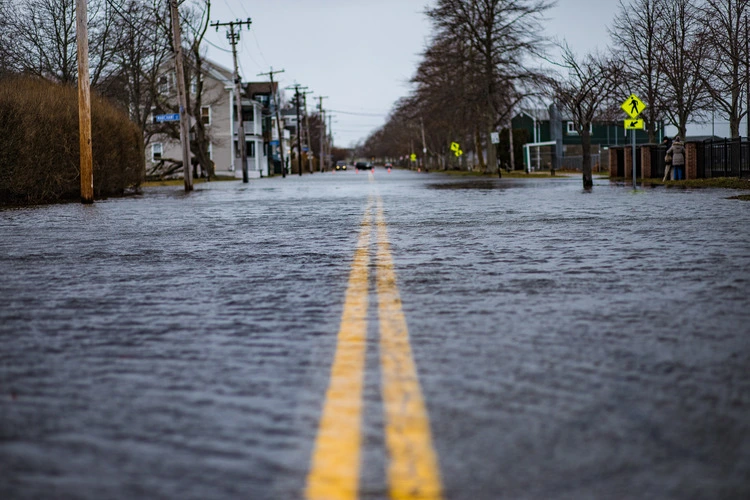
{"x":174,"y":117}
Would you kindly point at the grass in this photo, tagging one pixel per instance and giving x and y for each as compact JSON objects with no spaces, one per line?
{"x":515,"y":174}
{"x":180,"y":182}
{"x":716,"y":182}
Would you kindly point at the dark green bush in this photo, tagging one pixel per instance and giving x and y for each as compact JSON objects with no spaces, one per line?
{"x":39,"y":152}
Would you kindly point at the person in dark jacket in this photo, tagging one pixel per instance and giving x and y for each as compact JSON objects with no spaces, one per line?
{"x":677,"y":150}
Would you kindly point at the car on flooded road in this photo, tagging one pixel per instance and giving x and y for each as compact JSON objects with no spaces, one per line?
{"x":361,"y":165}
{"x":340,"y":165}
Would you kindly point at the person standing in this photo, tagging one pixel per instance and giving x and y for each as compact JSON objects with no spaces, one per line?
{"x":667,"y":142}
{"x":677,"y":150}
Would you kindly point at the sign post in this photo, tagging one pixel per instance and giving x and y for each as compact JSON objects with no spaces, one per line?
{"x":633,"y":107}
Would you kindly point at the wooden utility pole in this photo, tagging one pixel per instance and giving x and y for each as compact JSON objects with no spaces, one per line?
{"x":277,"y":105}
{"x":84,"y":104}
{"x":296,"y":88}
{"x":322,"y":132}
{"x":747,"y":78}
{"x":234,"y":37}
{"x":181,"y":96}
{"x":307,"y":132}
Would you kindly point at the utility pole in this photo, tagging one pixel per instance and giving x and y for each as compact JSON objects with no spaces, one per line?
{"x":424,"y":144}
{"x":181,"y":96}
{"x":307,"y":131}
{"x":296,"y":88}
{"x":234,"y":37}
{"x":330,"y":134}
{"x":276,"y":105}
{"x":747,"y":78}
{"x":322,"y":131}
{"x":84,"y":104}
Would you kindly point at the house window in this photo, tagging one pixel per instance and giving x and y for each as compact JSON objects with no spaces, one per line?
{"x":156,"y":151}
{"x":193,"y":85}
{"x":249,"y":149}
{"x":573,"y":131}
{"x":206,"y":115}
{"x":165,"y":83}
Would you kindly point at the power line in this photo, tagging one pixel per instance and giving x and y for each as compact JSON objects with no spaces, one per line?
{"x":359,"y":114}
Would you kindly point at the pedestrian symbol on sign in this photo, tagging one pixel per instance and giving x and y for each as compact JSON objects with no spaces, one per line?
{"x":633,"y":106}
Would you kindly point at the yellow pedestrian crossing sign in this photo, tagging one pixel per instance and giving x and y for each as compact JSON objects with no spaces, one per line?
{"x":633,"y":106}
{"x":456,"y":148}
{"x":635,"y":124}
{"x":413,"y":157}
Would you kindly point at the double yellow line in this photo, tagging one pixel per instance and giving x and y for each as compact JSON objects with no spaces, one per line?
{"x":413,"y":472}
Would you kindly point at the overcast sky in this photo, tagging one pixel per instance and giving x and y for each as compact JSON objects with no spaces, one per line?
{"x":362,"y":53}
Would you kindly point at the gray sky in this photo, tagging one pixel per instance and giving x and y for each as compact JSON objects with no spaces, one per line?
{"x":362,"y":53}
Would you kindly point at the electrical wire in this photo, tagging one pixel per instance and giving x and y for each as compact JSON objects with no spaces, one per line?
{"x":378,"y":115}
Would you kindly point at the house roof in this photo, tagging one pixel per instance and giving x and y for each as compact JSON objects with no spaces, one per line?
{"x":541,"y":114}
{"x":260,"y":88}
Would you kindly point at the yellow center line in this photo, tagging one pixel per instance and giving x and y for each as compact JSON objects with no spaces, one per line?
{"x":413,"y":471}
{"x":334,"y":472}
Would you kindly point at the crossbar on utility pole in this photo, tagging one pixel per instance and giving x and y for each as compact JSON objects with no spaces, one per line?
{"x":234,"y":37}
{"x":84,"y":104}
{"x":181,"y":96}
{"x":276,"y":105}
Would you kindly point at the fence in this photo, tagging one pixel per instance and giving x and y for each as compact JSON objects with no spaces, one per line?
{"x":576,"y":162}
{"x":712,"y":158}
{"x":724,"y":158}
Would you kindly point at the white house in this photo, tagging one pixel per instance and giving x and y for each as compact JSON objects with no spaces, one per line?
{"x":219,"y":114}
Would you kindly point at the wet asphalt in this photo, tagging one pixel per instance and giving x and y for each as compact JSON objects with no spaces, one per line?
{"x":569,"y":345}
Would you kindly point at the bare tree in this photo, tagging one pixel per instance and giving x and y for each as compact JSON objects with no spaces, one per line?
{"x":635,"y":33}
{"x":42,"y":39}
{"x":724,"y":20}
{"x":584,"y":91}
{"x":501,"y":34}
{"x":684,"y":50}
{"x":197,"y":21}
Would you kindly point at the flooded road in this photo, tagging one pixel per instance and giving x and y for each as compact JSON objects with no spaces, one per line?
{"x":564,"y":344}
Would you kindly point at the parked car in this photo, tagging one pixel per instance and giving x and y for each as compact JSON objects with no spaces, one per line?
{"x":340,"y":165}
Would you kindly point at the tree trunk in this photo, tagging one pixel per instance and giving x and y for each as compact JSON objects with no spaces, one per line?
{"x":588,"y":181}
{"x":478,"y":149}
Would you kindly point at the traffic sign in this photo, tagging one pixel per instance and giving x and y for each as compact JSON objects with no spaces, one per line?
{"x":413,"y":157}
{"x":173,"y":117}
{"x":455,"y":146}
{"x":636,"y":124}
{"x":495,"y":137}
{"x":633,"y":106}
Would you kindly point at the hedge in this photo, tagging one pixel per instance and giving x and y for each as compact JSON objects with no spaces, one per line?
{"x":39,"y":151}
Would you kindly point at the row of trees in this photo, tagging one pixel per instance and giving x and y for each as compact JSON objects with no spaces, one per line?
{"x":129,"y":49}
{"x":487,"y":58}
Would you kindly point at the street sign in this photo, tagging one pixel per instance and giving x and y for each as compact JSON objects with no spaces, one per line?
{"x":495,"y":137}
{"x":633,"y":106}
{"x":174,"y":117}
{"x":413,"y":157}
{"x":636,"y":124}
{"x":454,"y":146}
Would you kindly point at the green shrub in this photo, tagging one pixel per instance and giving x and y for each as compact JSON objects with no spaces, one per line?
{"x":39,"y":151}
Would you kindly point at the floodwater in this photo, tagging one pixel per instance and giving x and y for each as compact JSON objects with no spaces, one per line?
{"x":568,"y":344}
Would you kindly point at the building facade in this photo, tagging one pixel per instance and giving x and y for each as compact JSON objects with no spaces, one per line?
{"x":218,"y":113}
